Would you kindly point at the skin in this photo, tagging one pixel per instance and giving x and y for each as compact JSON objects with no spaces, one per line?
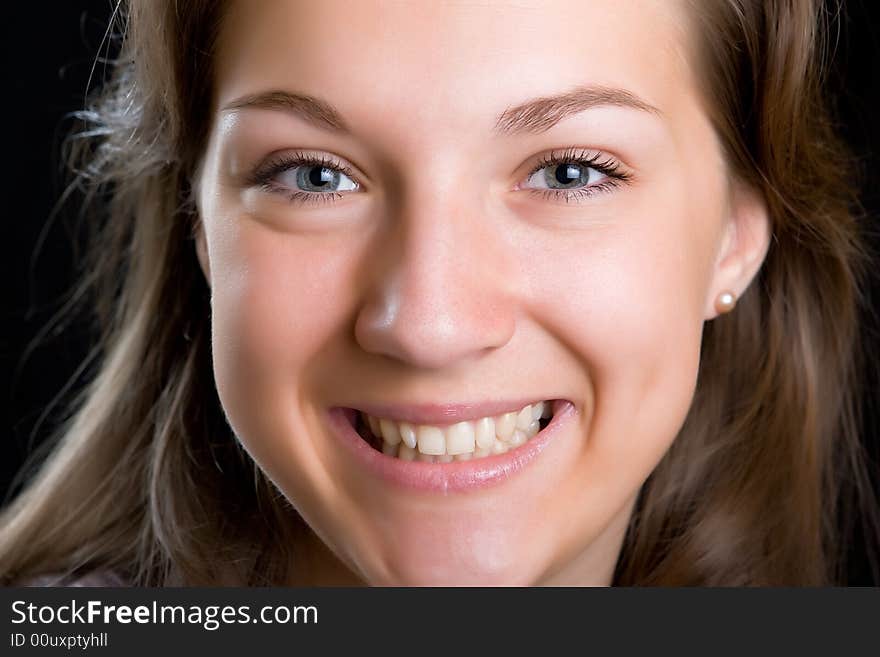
{"x":443,"y":280}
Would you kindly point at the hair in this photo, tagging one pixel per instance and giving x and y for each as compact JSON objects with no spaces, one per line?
{"x":762,"y":485}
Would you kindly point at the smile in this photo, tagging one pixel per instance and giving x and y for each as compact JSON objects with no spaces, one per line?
{"x":461,"y":441}
{"x":449,"y":449}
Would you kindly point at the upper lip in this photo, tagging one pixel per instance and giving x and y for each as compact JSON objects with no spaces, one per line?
{"x":443,"y":414}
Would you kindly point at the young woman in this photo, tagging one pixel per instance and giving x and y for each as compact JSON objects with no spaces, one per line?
{"x":441,"y":293}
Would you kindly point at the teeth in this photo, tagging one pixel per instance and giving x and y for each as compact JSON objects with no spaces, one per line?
{"x":517,"y":439}
{"x":537,"y":411}
{"x":485,"y":432}
{"x":524,"y":419}
{"x":461,"y":441}
{"x":408,"y":434}
{"x":431,"y":440}
{"x":389,"y":431}
{"x":499,"y":447}
{"x":460,"y":438}
{"x":504,"y":425}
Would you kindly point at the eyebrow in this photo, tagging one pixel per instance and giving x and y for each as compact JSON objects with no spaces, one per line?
{"x":314,"y":110}
{"x":540,"y":114}
{"x":532,"y":116}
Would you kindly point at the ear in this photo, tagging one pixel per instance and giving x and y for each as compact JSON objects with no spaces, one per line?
{"x":202,"y":250}
{"x":744,"y":245}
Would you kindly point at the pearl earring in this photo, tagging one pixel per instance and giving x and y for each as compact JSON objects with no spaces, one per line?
{"x":725,"y":302}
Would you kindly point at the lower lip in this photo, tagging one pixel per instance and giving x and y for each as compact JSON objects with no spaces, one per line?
{"x":447,"y":477}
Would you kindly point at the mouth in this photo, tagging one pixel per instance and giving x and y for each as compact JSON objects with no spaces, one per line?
{"x":476,"y":438}
{"x":448,"y":448}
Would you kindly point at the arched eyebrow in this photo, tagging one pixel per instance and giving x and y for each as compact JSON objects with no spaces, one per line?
{"x":532,"y":116}
{"x":311,"y":109}
{"x":540,"y":114}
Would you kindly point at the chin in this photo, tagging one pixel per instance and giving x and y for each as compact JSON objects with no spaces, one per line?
{"x":455,"y":568}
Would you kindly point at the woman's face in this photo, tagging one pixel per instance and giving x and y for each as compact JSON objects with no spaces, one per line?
{"x":437,"y":214}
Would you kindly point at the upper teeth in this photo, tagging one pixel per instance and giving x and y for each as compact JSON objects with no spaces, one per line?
{"x":463,"y":440}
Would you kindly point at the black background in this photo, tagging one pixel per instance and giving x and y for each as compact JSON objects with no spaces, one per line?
{"x":49,"y":52}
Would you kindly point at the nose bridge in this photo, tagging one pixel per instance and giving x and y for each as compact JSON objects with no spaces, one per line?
{"x":437,"y":238}
{"x":440,"y":298}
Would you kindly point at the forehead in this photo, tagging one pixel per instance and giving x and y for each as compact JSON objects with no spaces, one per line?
{"x":451,"y":65}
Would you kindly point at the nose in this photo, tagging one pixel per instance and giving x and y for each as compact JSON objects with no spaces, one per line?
{"x":442,"y":293}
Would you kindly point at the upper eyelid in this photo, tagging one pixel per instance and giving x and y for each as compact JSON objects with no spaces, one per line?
{"x":594,"y":157}
{"x":293,"y":155}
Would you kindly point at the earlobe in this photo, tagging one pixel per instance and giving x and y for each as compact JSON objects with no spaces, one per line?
{"x":743,"y":249}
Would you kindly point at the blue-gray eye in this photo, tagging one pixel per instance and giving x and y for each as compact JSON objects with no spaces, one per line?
{"x":567,"y":175}
{"x":315,"y":178}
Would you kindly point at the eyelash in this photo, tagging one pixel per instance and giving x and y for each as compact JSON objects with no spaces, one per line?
{"x":604,"y":164}
{"x":264,"y":176}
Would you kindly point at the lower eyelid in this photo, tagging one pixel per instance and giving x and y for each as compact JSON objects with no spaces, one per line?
{"x":604,"y":187}
{"x":320,"y":198}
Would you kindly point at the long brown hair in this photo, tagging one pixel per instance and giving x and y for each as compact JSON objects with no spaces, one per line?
{"x":147,"y":479}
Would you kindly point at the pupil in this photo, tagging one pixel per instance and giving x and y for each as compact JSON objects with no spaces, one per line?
{"x":319,"y":176}
{"x":567,"y":173}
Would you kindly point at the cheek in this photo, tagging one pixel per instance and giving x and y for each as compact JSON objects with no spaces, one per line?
{"x":632,"y":316}
{"x":276,"y":301}
{"x":627,"y":303}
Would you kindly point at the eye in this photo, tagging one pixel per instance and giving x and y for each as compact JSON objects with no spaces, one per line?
{"x":573,"y":174}
{"x":565,"y":176}
{"x":305,"y":178}
{"x":315,"y":178}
